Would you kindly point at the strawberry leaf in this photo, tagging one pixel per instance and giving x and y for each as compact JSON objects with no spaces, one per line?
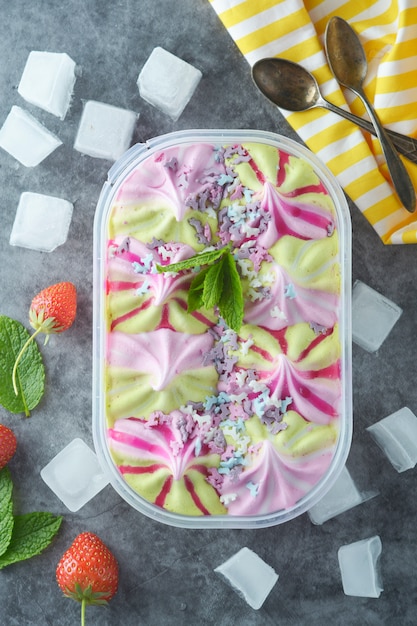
{"x":31,"y":534}
{"x":30,"y":372}
{"x":87,"y":595}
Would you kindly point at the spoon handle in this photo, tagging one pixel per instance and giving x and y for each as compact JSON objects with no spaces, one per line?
{"x":405,"y":145}
{"x":398,"y":173}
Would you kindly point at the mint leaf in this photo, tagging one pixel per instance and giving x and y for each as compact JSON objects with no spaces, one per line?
{"x":195,"y":291}
{"x":32,"y":533}
{"x":231,"y":305}
{"x":213,"y":284}
{"x":6,"y":509}
{"x":22,"y":536}
{"x":30,"y":371}
{"x":6,"y":487}
{"x":204,"y":258}
{"x":6,"y":527}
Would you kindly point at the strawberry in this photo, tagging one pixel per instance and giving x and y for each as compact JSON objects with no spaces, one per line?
{"x":8,"y":445}
{"x":88,"y":572}
{"x":52,"y":311}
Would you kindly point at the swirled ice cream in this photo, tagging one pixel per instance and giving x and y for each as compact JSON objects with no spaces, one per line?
{"x":203,"y":420}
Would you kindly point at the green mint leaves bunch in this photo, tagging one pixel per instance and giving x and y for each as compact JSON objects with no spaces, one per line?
{"x":216,"y":283}
{"x":22,"y":536}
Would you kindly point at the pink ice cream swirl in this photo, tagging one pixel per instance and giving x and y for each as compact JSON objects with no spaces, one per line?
{"x":294,"y":212}
{"x":272,"y":481}
{"x":293,"y":216}
{"x":173,"y":176}
{"x":164,"y":449}
{"x":162,"y":354}
{"x":314,"y":388}
{"x":132,"y":272}
{"x":289,"y":302}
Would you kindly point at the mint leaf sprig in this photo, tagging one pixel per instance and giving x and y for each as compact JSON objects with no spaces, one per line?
{"x":22,"y":536}
{"x":30,"y":379}
{"x":216,"y":283}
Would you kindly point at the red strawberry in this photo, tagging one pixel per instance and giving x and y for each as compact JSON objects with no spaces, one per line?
{"x":53,"y":310}
{"x":8,"y":445}
{"x":88,"y":571}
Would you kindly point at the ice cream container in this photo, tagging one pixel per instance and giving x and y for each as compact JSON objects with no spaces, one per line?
{"x":202,"y":419}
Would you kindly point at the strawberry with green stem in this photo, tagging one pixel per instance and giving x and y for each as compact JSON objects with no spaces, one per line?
{"x":88,"y":572}
{"x":52,"y":311}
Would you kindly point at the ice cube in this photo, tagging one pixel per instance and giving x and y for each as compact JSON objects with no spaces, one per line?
{"x":396,"y":435}
{"x":359,"y":568}
{"x":26,"y":139}
{"x":105,"y":131}
{"x":48,"y":81}
{"x":41,"y":222}
{"x":342,"y":496}
{"x":373,"y":316}
{"x":167,"y":82}
{"x":75,"y":475}
{"x":249,"y":576}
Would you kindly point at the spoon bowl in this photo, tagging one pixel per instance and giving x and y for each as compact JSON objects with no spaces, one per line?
{"x":345,"y":54}
{"x":286,"y":84}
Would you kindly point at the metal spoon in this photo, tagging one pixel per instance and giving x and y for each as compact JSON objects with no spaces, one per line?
{"x":291,"y":87}
{"x":348,"y":63}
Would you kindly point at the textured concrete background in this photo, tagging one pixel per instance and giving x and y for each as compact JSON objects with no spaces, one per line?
{"x":166,"y":573}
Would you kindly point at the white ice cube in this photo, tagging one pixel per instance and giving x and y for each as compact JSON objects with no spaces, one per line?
{"x":105,"y":131}
{"x":342,"y":496}
{"x":48,"y":81}
{"x":359,"y":568}
{"x":373,"y":316}
{"x":75,"y":475}
{"x":167,"y":82}
{"x":41,"y":222}
{"x":396,"y":435}
{"x":26,"y":139}
{"x":249,"y":576}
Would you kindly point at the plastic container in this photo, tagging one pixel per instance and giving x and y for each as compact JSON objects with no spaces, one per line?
{"x":121,"y":170}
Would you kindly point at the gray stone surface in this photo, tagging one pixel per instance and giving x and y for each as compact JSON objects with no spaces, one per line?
{"x":166,"y":574}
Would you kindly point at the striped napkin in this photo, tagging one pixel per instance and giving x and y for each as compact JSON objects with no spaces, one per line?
{"x":294,"y":29}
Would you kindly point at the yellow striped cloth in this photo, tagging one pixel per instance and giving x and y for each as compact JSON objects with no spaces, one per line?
{"x":294,"y":29}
